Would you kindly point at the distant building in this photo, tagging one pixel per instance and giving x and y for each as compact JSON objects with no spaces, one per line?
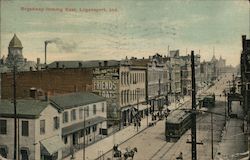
{"x":174,"y":65}
{"x":15,"y":55}
{"x":48,"y":129}
{"x":186,"y":74}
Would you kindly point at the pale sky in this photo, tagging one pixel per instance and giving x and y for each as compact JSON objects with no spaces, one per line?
{"x":139,"y":29}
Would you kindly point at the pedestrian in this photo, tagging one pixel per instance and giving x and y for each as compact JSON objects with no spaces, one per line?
{"x":180,"y":157}
{"x":139,"y":124}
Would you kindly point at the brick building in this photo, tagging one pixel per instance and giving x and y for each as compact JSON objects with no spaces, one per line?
{"x":51,"y":81}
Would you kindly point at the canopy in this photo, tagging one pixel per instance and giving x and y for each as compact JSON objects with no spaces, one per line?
{"x":53,"y":144}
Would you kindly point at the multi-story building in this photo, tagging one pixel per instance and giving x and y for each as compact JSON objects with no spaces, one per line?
{"x":157,"y":80}
{"x":52,"y":81}
{"x":174,"y":65}
{"x":49,"y":128}
{"x":186,"y":74}
{"x":245,"y":80}
{"x":124,"y":87}
{"x":38,"y":130}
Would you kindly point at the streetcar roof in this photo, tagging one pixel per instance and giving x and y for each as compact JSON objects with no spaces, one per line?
{"x":177,"y":116}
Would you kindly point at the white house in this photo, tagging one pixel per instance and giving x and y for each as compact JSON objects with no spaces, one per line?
{"x":49,"y":129}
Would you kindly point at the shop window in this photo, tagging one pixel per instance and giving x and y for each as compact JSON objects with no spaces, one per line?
{"x":3,"y":126}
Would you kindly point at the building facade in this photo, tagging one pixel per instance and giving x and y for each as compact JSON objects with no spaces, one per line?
{"x":51,"y":128}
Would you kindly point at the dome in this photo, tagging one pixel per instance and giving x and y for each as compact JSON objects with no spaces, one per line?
{"x":15,"y":43}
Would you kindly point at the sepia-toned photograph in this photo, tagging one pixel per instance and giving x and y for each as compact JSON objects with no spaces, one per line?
{"x":124,"y":79}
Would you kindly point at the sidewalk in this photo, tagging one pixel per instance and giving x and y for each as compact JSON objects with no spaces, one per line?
{"x":233,"y":138}
{"x":101,"y":147}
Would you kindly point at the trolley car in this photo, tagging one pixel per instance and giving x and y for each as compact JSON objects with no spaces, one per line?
{"x":209,"y":101}
{"x":177,"y":123}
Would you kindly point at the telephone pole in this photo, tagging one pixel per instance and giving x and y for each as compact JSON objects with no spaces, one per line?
{"x":15,"y":113}
{"x":193,"y":128}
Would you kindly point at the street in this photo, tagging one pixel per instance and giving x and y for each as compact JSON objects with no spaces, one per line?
{"x":151,"y":142}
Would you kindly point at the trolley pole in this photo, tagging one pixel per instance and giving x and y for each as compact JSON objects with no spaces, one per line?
{"x":193,"y":128}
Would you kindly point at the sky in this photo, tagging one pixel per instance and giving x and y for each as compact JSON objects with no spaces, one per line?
{"x":114,"y":29}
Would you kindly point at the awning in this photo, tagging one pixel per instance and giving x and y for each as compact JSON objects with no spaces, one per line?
{"x":53,"y":144}
{"x":79,"y":126}
{"x":143,"y":107}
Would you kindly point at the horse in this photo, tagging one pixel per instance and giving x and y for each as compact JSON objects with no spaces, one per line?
{"x":117,"y":152}
{"x":130,"y":153}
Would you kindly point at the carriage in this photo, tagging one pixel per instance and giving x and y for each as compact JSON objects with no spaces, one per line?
{"x":177,"y":123}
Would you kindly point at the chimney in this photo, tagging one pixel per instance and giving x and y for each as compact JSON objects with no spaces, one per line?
{"x":100,"y":64}
{"x":25,"y":60}
{"x":33,"y":93}
{"x":244,"y":42}
{"x":105,"y":63}
{"x":38,"y":61}
{"x":80,"y":64}
{"x":46,"y":97}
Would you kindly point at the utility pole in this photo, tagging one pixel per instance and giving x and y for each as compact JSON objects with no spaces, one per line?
{"x":15,"y":113}
{"x":137,"y":118}
{"x":84,"y":125}
{"x":212,"y":137}
{"x":193,"y":128}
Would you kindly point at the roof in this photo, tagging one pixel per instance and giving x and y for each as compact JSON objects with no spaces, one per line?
{"x":25,"y":108}
{"x":177,"y":116}
{"x":140,"y":62}
{"x":79,"y":126}
{"x":83,"y":64}
{"x":15,"y":42}
{"x":72,"y":100}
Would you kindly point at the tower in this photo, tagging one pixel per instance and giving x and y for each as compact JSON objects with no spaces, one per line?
{"x":15,"y":52}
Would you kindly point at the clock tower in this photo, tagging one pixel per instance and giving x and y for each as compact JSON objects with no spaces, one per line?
{"x":15,"y":52}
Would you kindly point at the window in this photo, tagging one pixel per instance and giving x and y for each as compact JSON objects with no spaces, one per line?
{"x":94,"y":109}
{"x":3,"y":126}
{"x":73,"y":115}
{"x":42,"y":126}
{"x":87,"y":111}
{"x":56,"y":122}
{"x":80,"y":113}
{"x":65,"y":117}
{"x":102,"y":107}
{"x":87,"y":130}
{"x":65,"y":140}
{"x":94,"y":128}
{"x":25,"y":128}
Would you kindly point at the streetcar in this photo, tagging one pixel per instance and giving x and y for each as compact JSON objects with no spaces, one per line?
{"x":208,"y":101}
{"x":177,"y":123}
